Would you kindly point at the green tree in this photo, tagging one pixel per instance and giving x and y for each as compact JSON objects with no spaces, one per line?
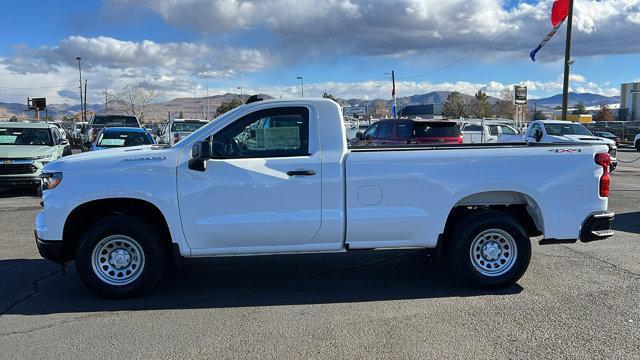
{"x":228,"y":105}
{"x":580,"y":109}
{"x":539,"y":115}
{"x":455,"y":107}
{"x":330,"y":96}
{"x":604,"y":114}
{"x":481,"y":107}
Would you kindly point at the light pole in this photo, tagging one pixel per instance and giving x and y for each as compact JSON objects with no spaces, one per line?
{"x":82,"y":115}
{"x":301,"y":86}
{"x":240,"y":88}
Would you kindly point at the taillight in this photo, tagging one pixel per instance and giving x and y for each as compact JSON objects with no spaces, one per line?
{"x":176,"y":138}
{"x":460,"y":139}
{"x":604,"y":160}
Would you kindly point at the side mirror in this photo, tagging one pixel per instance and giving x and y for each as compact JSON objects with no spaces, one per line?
{"x":538,"y":135}
{"x":200,"y":153}
{"x":359,"y":135}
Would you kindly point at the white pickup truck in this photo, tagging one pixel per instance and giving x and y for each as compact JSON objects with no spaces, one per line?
{"x":236,"y":186}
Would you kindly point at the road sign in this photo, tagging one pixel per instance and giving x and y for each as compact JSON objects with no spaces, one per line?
{"x":520,"y":95}
{"x":38,"y":104}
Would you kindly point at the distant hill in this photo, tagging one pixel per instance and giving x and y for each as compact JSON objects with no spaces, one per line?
{"x":574,"y":98}
{"x":197,"y":108}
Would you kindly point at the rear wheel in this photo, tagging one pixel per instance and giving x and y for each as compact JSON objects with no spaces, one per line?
{"x":638,"y":145}
{"x":120,"y":257}
{"x":491,"y":249}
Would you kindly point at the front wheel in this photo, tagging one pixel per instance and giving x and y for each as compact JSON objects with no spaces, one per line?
{"x":638,"y":145}
{"x":491,"y":249}
{"x":120,"y":257}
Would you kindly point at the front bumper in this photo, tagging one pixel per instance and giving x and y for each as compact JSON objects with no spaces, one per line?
{"x":10,"y":181}
{"x":597,"y":226}
{"x":50,"y":249}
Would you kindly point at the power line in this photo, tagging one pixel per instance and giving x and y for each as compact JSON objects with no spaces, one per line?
{"x":473,"y":52}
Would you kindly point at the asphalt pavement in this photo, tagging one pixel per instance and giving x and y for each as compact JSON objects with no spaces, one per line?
{"x":575,"y":301}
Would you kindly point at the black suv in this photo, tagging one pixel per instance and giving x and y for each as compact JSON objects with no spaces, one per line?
{"x":97,"y":122}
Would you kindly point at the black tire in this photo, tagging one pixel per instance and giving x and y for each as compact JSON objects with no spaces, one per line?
{"x":638,"y":145}
{"x":465,"y":233}
{"x":151,"y":244}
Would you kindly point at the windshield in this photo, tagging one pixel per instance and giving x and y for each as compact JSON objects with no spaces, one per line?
{"x":116,"y":121}
{"x":186,"y":126}
{"x":434,"y":129}
{"x":25,"y":136}
{"x":123,"y":139}
{"x":567,"y":129}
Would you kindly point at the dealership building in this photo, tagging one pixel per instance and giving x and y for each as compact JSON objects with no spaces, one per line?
{"x":630,"y":102}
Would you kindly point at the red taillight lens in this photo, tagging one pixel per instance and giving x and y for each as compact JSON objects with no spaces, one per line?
{"x":605,"y":182}
{"x":604,"y":160}
{"x":176,"y":138}
{"x":460,"y":139}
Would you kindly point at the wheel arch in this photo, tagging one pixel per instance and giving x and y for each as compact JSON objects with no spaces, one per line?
{"x":518,"y":204}
{"x":86,"y":214}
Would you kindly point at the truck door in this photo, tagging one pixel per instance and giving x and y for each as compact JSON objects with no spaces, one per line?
{"x":263,"y":187}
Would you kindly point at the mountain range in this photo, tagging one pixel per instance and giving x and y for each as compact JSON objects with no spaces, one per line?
{"x":197,"y":108}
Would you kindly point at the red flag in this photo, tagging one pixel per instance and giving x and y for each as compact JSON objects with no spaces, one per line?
{"x":559,"y":11}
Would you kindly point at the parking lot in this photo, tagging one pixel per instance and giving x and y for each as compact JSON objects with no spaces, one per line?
{"x":575,"y":301}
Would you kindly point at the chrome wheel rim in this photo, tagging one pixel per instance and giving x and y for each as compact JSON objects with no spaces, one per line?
{"x":493,"y":252}
{"x":117,"y":260}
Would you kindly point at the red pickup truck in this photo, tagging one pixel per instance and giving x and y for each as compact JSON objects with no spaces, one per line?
{"x":405,"y":131}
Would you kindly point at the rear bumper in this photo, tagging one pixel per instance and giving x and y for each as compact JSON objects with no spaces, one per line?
{"x":51,"y":250}
{"x":597,"y":226}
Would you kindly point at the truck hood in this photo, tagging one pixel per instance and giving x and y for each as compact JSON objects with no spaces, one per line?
{"x":111,"y":158}
{"x":583,"y":138}
{"x":25,"y":151}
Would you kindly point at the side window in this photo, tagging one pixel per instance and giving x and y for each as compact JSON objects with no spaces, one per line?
{"x":277,"y":132}
{"x":371,"y":132}
{"x":56,"y":136}
{"x":404,"y":130}
{"x":385,"y":130}
{"x":507,"y":130}
{"x":493,"y":130}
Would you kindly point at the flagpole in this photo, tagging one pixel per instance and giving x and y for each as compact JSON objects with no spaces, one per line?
{"x":567,"y":63}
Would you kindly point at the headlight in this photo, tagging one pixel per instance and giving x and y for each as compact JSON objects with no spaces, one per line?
{"x":40,"y":157}
{"x":51,"y":180}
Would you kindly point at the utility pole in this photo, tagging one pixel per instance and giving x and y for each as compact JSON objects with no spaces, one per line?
{"x":81,"y":102}
{"x":393,"y":93}
{"x":85,"y":100}
{"x":206,"y":116}
{"x":567,"y":63}
{"x":301,"y":86}
{"x":106,"y":101}
{"x":195,"y":107}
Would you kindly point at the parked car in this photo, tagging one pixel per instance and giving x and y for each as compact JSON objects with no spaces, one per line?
{"x":404,"y":131}
{"x":99,"y":121}
{"x":177,"y":129}
{"x":63,"y":132}
{"x":479,"y":132}
{"x":607,"y":135}
{"x":558,"y":131}
{"x":636,"y":142}
{"x":236,"y":187}
{"x":76,"y":134}
{"x":25,"y":148}
{"x":115,"y":137}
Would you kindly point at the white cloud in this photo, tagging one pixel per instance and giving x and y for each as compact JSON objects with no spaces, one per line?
{"x":404,"y":27}
{"x":130,"y":56}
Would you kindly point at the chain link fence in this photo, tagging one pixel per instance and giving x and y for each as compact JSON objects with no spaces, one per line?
{"x":625,"y":130}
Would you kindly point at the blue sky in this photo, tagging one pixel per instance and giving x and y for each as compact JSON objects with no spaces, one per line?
{"x":340,"y":46}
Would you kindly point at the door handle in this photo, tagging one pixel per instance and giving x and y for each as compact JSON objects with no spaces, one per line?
{"x":301,"y":172}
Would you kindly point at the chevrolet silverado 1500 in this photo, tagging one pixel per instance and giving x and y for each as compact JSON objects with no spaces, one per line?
{"x":275,"y":177}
